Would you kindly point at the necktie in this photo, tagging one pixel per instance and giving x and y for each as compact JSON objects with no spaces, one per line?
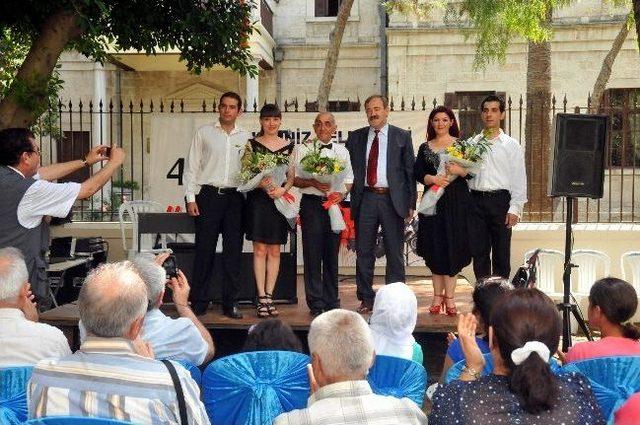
{"x":372,"y":162}
{"x":327,"y":146}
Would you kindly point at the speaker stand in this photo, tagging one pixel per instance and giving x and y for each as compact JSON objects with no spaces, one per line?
{"x":566,"y":306}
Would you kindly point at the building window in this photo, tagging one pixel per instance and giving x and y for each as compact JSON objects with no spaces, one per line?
{"x":74,"y":145}
{"x":327,"y":8}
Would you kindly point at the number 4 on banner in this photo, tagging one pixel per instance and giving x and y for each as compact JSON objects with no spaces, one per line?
{"x":177,"y":174}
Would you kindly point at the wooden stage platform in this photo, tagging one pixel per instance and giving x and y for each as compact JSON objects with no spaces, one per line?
{"x":297,"y":315}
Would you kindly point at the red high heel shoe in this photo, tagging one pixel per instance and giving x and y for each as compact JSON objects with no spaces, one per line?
{"x":449,"y":311}
{"x":435,"y":308}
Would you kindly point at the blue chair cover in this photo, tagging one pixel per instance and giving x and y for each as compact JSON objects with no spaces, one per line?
{"x":74,"y":420}
{"x":455,"y":370}
{"x":13,"y":394}
{"x":398,"y":378}
{"x":255,"y":387}
{"x":194,"y":370}
{"x":613,"y":380}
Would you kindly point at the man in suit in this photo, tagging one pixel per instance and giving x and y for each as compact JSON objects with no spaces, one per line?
{"x":383,"y":194}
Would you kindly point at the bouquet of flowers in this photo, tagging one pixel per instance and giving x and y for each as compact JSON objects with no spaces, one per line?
{"x":254,"y":166}
{"x":466,"y":153}
{"x":328,"y":170}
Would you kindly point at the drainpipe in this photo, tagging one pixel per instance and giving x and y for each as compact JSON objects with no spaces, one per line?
{"x":384,"y":51}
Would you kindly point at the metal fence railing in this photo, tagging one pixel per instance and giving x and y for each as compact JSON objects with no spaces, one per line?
{"x":70,"y":129}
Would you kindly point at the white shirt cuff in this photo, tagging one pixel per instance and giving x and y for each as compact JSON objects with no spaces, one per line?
{"x":190,"y":197}
{"x":514,"y":209}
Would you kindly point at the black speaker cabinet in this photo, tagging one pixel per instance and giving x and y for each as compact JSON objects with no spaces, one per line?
{"x":285,"y":290}
{"x":576,"y":168}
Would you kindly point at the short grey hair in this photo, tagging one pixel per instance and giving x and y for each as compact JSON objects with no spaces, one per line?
{"x":153,"y":276}
{"x":343,"y":341}
{"x":13,"y":273}
{"x":112,"y":298}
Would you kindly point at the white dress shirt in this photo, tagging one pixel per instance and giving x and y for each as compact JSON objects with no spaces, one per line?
{"x":174,"y":339}
{"x":214,"y":158}
{"x":382,"y":154}
{"x":24,"y":343}
{"x":337,"y":151}
{"x":503,"y":167}
{"x":45,"y":198}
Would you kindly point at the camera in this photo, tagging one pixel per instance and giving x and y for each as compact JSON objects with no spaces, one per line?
{"x":170,"y":266}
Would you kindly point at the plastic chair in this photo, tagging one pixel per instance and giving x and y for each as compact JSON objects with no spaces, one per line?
{"x":589,"y":262}
{"x":13,"y":394}
{"x":613,"y":380}
{"x":455,"y":370}
{"x":132,"y":209}
{"x":194,"y":370}
{"x":399,"y":378}
{"x":546,"y":265}
{"x":75,"y":420}
{"x":255,"y":387}
{"x":632,"y":260}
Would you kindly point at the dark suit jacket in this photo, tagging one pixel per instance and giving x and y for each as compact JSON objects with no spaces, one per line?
{"x":400,"y":159}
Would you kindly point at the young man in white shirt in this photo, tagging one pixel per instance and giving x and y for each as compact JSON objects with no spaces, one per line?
{"x":498,"y":193}
{"x":24,"y":340}
{"x":320,"y":244}
{"x":211,"y":178}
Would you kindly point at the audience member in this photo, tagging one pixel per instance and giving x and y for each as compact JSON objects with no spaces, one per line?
{"x":394,"y":317}
{"x":24,"y":340}
{"x":272,"y":334}
{"x":113,"y":374}
{"x":184,"y":338}
{"x":484,"y":297}
{"x":342,"y":352}
{"x":612,"y":302}
{"x":524,"y":330}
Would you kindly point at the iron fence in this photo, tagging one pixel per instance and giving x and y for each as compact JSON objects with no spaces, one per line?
{"x":69,"y":130}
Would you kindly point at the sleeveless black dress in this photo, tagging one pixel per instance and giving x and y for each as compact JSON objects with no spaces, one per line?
{"x":443,"y":239}
{"x":264,"y":223}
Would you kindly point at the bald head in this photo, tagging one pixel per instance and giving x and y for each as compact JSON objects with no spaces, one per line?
{"x":112,"y":298}
{"x":325,"y":126}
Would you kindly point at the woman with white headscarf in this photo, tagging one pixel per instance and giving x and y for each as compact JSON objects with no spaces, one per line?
{"x":395,"y":312}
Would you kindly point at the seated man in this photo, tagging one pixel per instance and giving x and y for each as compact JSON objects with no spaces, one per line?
{"x":184,"y":338}
{"x":342,"y":352}
{"x":113,"y":374}
{"x":24,"y":341}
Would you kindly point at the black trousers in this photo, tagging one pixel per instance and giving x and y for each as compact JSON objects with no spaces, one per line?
{"x":489,"y":237}
{"x":320,"y":254}
{"x":219,"y":213}
{"x":377,"y":210}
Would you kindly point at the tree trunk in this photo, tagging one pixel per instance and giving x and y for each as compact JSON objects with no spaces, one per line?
{"x":607,"y":65}
{"x":35,"y":72}
{"x":636,"y":16}
{"x":538,"y":128}
{"x":330,"y":64}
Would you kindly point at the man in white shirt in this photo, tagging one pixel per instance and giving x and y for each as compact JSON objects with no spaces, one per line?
{"x":211,"y":178}
{"x":27,"y":195}
{"x":184,"y":338}
{"x":319,"y":243}
{"x":498,"y":193}
{"x":341,"y":347}
{"x":24,"y":340}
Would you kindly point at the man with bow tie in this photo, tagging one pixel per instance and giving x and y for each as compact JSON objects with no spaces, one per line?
{"x":319,"y":243}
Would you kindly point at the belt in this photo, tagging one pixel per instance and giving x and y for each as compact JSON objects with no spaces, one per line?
{"x":378,"y":190}
{"x":314,"y":197}
{"x":489,"y":192}
{"x":222,"y":190}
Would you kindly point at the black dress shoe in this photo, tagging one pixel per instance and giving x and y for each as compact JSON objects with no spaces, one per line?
{"x":232,"y":312}
{"x":199,"y":308}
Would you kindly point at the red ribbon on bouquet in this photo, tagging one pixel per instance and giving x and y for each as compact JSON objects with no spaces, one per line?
{"x":350,"y":232}
{"x":332,"y":199}
{"x":289,"y":197}
{"x":434,"y":188}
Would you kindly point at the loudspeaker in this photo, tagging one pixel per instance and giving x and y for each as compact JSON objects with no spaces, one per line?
{"x":576,"y":168}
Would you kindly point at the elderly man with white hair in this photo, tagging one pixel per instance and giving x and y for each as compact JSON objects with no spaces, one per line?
{"x":342,"y":352}
{"x":113,"y":374}
{"x":24,"y":340}
{"x":184,"y":338}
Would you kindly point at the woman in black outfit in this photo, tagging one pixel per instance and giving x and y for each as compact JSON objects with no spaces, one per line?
{"x":266,"y":226}
{"x":442,"y":238}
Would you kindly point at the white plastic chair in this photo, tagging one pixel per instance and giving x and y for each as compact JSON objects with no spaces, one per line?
{"x":132,"y":209}
{"x":592,"y":265}
{"x":549,"y":270}
{"x":631,"y":260}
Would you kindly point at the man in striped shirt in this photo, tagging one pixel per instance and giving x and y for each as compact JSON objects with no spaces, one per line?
{"x":113,"y":375}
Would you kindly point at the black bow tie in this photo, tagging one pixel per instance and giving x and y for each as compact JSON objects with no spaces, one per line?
{"x":327,"y":146}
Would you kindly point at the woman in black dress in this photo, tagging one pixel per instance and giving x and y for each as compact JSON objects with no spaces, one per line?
{"x":266,"y":226}
{"x":442,"y":238}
